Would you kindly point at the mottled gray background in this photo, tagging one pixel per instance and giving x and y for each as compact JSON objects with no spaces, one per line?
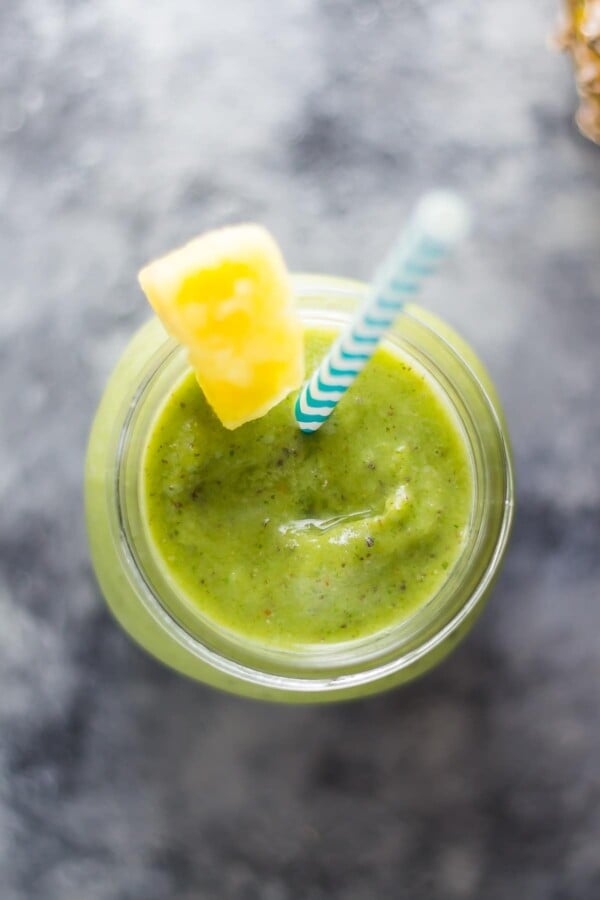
{"x":126,"y":127}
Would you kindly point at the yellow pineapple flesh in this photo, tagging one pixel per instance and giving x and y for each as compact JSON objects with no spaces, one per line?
{"x":227,"y":297}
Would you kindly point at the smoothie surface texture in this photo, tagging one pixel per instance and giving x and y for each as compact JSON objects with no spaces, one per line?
{"x":295,"y":540}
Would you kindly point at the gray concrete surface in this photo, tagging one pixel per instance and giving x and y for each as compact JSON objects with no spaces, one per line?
{"x":127,"y":126}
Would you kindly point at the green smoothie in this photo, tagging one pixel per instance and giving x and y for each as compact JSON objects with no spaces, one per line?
{"x":295,"y":540}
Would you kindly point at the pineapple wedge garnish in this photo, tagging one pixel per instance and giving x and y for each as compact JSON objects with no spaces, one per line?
{"x":227,"y":297}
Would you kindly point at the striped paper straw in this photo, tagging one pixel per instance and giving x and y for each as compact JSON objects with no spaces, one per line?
{"x":440,"y":220}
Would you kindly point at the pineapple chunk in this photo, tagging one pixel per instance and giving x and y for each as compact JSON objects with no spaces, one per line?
{"x":581,"y":36}
{"x":227,"y":297}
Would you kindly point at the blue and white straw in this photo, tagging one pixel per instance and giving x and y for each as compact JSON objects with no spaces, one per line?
{"x":441,"y":219}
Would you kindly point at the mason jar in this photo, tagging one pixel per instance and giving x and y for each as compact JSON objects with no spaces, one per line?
{"x":149,"y":605}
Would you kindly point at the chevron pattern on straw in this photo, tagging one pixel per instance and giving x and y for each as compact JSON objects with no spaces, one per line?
{"x":415,"y":258}
{"x":352,"y":350}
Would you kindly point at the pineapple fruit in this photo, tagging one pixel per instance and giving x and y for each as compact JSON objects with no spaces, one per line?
{"x":227,"y":297}
{"x":581,"y":36}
